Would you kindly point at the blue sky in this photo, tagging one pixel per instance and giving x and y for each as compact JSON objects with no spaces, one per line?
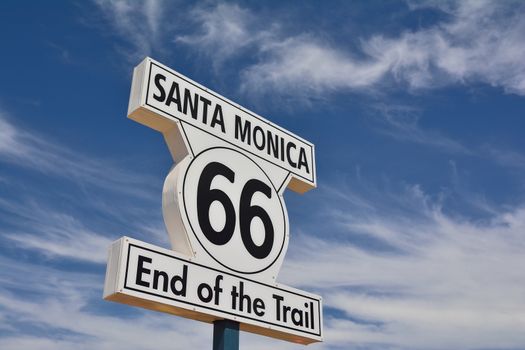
{"x":415,"y":236}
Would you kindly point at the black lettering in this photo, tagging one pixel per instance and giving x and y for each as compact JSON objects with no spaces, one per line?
{"x":298,"y":321}
{"x":245,"y":133}
{"x":273,"y":144}
{"x":244,"y":298}
{"x":278,"y":300}
{"x":165,"y":278}
{"x":302,"y":160}
{"x":218,"y":118}
{"x":234,"y":295}
{"x":306,"y":317}
{"x":206,"y":196}
{"x":286,"y":310}
{"x":260,"y":146}
{"x":258,"y":307}
{"x":193,"y":104}
{"x":282,"y":149}
{"x":162,"y":96}
{"x":142,"y":270}
{"x":174,"y":96}
{"x":217,"y":289}
{"x":182,"y":279}
{"x":205,"y":105}
{"x":247,"y":212}
{"x":289,"y":146}
{"x":200,"y":292}
{"x":312,"y":315}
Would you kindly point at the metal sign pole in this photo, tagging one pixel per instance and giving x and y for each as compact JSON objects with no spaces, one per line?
{"x":225,"y":335}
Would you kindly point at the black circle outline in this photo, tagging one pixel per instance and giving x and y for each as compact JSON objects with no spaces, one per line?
{"x":281,"y":202}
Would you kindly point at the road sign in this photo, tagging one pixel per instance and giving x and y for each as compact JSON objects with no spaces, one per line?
{"x":155,"y":278}
{"x":224,"y":211}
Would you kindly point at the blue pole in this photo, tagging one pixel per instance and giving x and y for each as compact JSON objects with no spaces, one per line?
{"x":225,"y":335}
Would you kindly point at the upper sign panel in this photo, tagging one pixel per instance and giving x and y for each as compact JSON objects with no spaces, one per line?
{"x":161,"y":96}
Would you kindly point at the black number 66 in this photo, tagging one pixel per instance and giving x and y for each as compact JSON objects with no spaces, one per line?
{"x":247,"y":212}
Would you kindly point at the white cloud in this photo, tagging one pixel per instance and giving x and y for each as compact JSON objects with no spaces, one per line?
{"x":37,"y":224}
{"x":507,"y":158}
{"x":52,"y":233}
{"x":401,"y":122}
{"x":304,"y":64}
{"x":138,"y":22}
{"x":477,"y":41}
{"x":27,"y":149}
{"x":480,"y":41}
{"x":60,"y":305}
{"x":441,"y":281}
{"x":67,"y":310}
{"x":483,"y":41}
{"x":226,"y":31}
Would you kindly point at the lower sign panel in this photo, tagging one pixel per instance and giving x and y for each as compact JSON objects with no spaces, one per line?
{"x":144,"y":275}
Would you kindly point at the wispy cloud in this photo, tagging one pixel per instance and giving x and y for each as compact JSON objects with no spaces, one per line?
{"x":28,"y":149}
{"x":480,"y":41}
{"x":442,"y":282}
{"x":56,"y":317}
{"x":226,"y":31}
{"x":475,"y":42}
{"x":507,"y":158}
{"x":65,"y":224}
{"x":401,"y":122}
{"x":51,"y":233}
{"x":140,"y":23}
{"x":66,"y":311}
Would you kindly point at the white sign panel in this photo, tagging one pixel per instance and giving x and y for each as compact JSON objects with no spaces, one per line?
{"x":161,"y":96}
{"x":224,"y":211}
{"x":148,"y":276}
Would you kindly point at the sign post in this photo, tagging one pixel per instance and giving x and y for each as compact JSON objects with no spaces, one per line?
{"x":225,"y":335}
{"x":224,"y":211}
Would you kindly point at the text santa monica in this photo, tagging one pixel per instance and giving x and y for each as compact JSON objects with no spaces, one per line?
{"x":212,"y":114}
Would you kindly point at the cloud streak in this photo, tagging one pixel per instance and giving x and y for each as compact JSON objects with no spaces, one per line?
{"x":52,"y":233}
{"x":27,"y":149}
{"x":138,"y":22}
{"x":223,"y":33}
{"x":402,"y":123}
{"x":61,"y":230}
{"x":474,"y":42}
{"x":453,"y":51}
{"x":64,"y":296}
{"x":444,"y":280}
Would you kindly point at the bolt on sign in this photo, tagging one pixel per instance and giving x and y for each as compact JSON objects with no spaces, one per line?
{"x":224,"y":211}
